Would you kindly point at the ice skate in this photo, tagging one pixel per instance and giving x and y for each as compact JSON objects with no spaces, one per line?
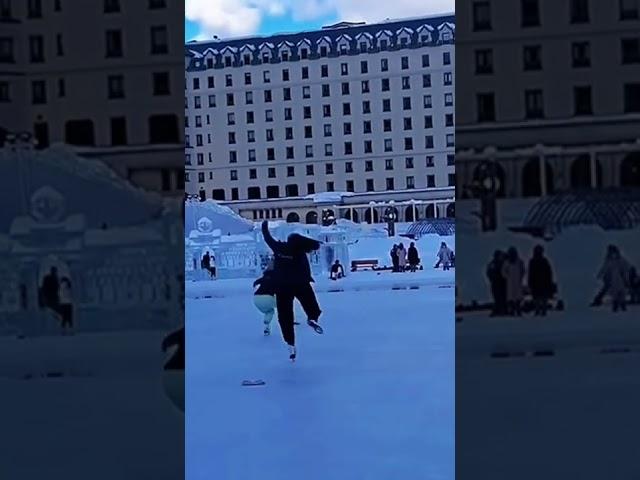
{"x":313,"y":324}
{"x":267,"y":330}
{"x":292,"y":353}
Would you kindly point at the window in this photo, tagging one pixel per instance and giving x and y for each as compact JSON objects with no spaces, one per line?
{"x":431,"y":181}
{"x":324,"y":71}
{"x":486,"y":107}
{"x":345,"y":88}
{"x":289,"y":152}
{"x":452,"y":179}
{"x":408,"y":143}
{"x":533,"y":101}
{"x":366,"y":126}
{"x":326,"y":111}
{"x":384,"y":65}
{"x":288,"y":115}
{"x":411,"y":183}
{"x":383,"y":44}
{"x":344,"y":69}
{"x":285,"y":55}
{"x":366,"y":106}
{"x":446,"y":58}
{"x":310,"y":170}
{"x":369,"y":185}
{"x":271,"y":172}
{"x":34,"y":8}
{"x":308,"y":151}
{"x":253,"y":174}
{"x":629,"y":10}
{"x":159,"y":40}
{"x":368,"y":166}
{"x":386,"y":125}
{"x":346,"y":109}
{"x":228,"y":80}
{"x":59,"y":45}
{"x":248,"y":98}
{"x":233,"y":175}
{"x":326,"y":91}
{"x":113,"y":43}
{"x":450,"y":140}
{"x":233,"y":156}
{"x":323,"y":51}
{"x":197,"y":102}
{"x":273,"y":191}
{"x":404,"y":63}
{"x":630,"y":50}
{"x":632,"y":98}
{"x":448,"y":99}
{"x":530,"y":12}
{"x":425,"y":60}
{"x":111,"y":6}
{"x":308,"y":131}
{"x":328,"y":149}
{"x":385,"y":85}
{"x":582,"y":100}
{"x":428,"y":121}
{"x":266,"y":76}
{"x":481,"y":16}
{"x":364,"y":65}
{"x":199,"y":140}
{"x":253,"y":193}
{"x":36,"y":48}
{"x":305,"y":73}
{"x":251,"y":154}
{"x":118,"y":131}
{"x":428,"y":141}
{"x":115,"y":86}
{"x":581,"y":54}
{"x":311,"y":188}
{"x":327,"y":129}
{"x":388,"y":145}
{"x":6,"y":50}
{"x":350,"y":186}
{"x":200,"y":177}
{"x":408,"y":162}
{"x":5,"y":95}
{"x":286,"y":94}
{"x":390,"y":184}
{"x":386,"y":105}
{"x":406,"y":83}
{"x":451,"y":159}
{"x":532,"y":57}
{"x":408,"y":124}
{"x":348,"y":148}
{"x":365,"y":86}
{"x":330,"y":187}
{"x":328,"y":168}
{"x":247,"y":78}
{"x":429,"y":161}
{"x":198,"y":121}
{"x":304,"y":53}
{"x":306,"y":91}
{"x":230,"y":99}
{"x":161,"y":83}
{"x":346,"y":128}
{"x":267,"y":96}
{"x":448,"y":120}
{"x":306,"y":112}
{"x":250,"y":118}
{"x":291,"y":172}
{"x":447,"y":78}
{"x":348,"y":167}
{"x":231,"y":118}
{"x":406,"y":103}
{"x":484,"y":61}
{"x":285,"y":75}
{"x":251,"y":136}
{"x":268,"y":115}
{"x":579,"y":11}
{"x":196,"y":83}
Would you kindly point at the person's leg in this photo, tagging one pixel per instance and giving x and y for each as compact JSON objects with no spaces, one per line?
{"x":307,"y":298}
{"x":284,"y":304}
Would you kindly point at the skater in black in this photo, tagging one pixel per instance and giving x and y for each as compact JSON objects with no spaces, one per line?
{"x":395,"y":261}
{"x":413,"y":257}
{"x":498,"y":284}
{"x":206,"y":264}
{"x":540,"y":281}
{"x":292,"y":279}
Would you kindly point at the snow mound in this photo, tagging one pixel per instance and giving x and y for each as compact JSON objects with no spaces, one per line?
{"x":218,"y":217}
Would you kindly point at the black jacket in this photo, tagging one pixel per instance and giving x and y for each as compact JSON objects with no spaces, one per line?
{"x":266,"y":284}
{"x":540,"y":277}
{"x":412,"y":256}
{"x":291,"y":265}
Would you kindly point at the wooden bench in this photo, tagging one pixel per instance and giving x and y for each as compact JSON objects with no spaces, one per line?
{"x":364,"y":264}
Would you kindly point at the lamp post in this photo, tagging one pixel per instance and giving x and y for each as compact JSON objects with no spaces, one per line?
{"x":391,"y":216}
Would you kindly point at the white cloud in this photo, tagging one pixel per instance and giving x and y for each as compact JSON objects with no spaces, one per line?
{"x":227,"y":18}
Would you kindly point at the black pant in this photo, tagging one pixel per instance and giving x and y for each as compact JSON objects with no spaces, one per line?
{"x":284,"y":303}
{"x":66,"y":312}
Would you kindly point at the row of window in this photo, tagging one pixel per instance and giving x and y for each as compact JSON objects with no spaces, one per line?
{"x":329,"y":167}
{"x":427,"y":102}
{"x":328,"y":148}
{"x":580,"y":56}
{"x":292,"y":190}
{"x":367,"y":126}
{"x":579,"y":12}
{"x":324,"y":71}
{"x":114,"y":47}
{"x":534,"y":102}
{"x":35,"y":7}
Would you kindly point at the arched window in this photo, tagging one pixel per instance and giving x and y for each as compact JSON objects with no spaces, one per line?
{"x":312,"y":217}
{"x":531,"y":185}
{"x":293,"y":217}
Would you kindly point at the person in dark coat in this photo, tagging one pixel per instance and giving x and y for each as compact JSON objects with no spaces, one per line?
{"x":264,"y":297}
{"x":413,"y":257}
{"x":395,"y":261}
{"x":51,"y":290}
{"x":540,"y":281}
{"x":292,"y":279}
{"x":498,"y":284}
{"x":337,"y":271}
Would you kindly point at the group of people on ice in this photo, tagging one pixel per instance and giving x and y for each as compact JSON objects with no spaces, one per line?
{"x":287,"y":278}
{"x":403,"y":260}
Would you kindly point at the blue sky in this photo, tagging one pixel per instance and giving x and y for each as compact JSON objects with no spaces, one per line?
{"x":234,"y":18}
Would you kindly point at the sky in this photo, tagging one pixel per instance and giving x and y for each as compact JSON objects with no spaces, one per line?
{"x":235,"y":18}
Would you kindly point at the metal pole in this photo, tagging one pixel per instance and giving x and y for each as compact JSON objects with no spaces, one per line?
{"x":593,"y":169}
{"x":543,"y":175}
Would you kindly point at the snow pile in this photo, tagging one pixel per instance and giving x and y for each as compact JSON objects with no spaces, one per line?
{"x":328,"y":197}
{"x":221,"y":217}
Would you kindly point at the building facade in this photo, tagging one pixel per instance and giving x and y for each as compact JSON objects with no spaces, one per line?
{"x":357,"y":108}
{"x":551,"y":101}
{"x":112,"y":92}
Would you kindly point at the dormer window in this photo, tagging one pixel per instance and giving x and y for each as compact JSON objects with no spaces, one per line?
{"x":227,"y":60}
{"x":304,"y":53}
{"x":285,"y":56}
{"x":343,"y":48}
{"x":446,"y":35}
{"x":384,"y":44}
{"x":363,"y":47}
{"x":246,"y":59}
{"x":323,"y":51}
{"x":265,"y":57}
{"x":424,"y":38}
{"x":209,"y":63}
{"x":404,"y":41}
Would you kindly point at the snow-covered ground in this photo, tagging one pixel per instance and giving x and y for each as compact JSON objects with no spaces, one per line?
{"x":372,"y":398}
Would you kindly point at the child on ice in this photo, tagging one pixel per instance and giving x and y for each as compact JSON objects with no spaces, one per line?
{"x":264,"y":297}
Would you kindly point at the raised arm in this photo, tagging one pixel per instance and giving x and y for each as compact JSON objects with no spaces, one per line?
{"x":273,"y":243}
